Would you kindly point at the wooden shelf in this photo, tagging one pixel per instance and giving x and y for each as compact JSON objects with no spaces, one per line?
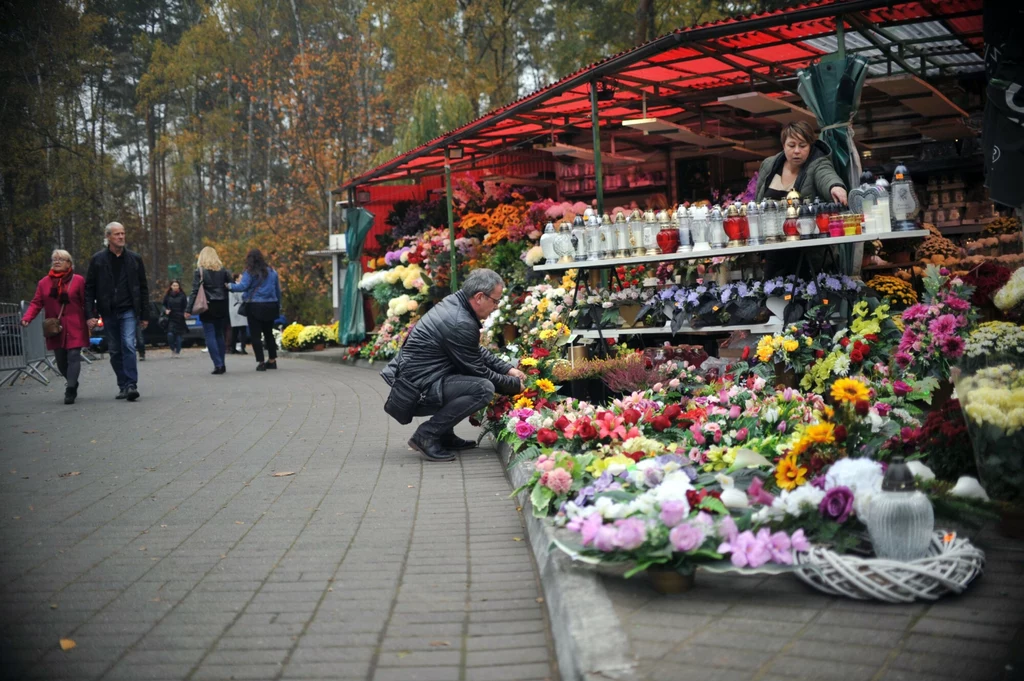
{"x":725,"y":252}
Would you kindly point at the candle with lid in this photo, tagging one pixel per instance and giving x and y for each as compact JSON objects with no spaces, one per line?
{"x":636,"y":233}
{"x":903,"y":201}
{"x":563,"y":244}
{"x":731,"y":225}
{"x":621,"y":232}
{"x":805,"y":221}
{"x":754,"y":225}
{"x":593,"y":238}
{"x":683,"y":225}
{"x":547,"y":244}
{"x":668,"y":235}
{"x":605,"y":244}
{"x":699,"y":228}
{"x":579,"y":238}
{"x":900,"y":519}
{"x":716,"y":231}
{"x":650,"y":233}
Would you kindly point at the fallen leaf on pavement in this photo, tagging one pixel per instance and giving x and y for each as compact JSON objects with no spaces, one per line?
{"x":539,"y":600}
{"x":53,"y":606}
{"x":402,"y":653}
{"x":517,"y":539}
{"x":283,"y":474}
{"x":29,"y":432}
{"x":67,"y":644}
{"x":411,"y":486}
{"x":239,"y":522}
{"x":70,"y":475}
{"x":439,"y":643}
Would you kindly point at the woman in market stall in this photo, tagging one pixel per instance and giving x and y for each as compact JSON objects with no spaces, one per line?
{"x":805,"y":163}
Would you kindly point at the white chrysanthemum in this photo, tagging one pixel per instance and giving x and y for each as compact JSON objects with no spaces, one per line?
{"x":863,"y":476}
{"x":674,"y":487}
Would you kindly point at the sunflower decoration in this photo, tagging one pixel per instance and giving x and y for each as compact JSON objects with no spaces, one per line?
{"x":789,"y":474}
{"x":898,"y":292}
{"x":850,"y":391}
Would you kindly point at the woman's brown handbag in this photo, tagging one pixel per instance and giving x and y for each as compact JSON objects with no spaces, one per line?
{"x":52,"y":326}
{"x":199,"y":305}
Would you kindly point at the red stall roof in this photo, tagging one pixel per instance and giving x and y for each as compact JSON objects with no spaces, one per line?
{"x":674,"y":76}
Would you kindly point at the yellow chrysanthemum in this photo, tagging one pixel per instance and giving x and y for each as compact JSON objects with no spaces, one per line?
{"x":821,"y":433}
{"x":547,"y":334}
{"x":789,"y":474}
{"x":850,"y":390}
{"x":524,"y":403}
{"x":528,"y":362}
{"x":790,"y":345}
{"x":545,"y":386}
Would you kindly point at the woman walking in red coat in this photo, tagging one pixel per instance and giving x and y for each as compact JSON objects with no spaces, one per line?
{"x":61,"y":294}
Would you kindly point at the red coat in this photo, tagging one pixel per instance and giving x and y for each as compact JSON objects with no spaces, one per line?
{"x":76,"y":331}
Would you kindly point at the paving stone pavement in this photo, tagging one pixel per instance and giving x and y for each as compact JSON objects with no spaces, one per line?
{"x":751,"y":628}
{"x":155,"y":535}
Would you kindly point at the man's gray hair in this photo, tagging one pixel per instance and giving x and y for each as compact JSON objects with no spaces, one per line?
{"x":110,"y":228}
{"x":481,"y":281}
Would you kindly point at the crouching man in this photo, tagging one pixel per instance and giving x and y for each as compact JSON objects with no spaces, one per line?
{"x":443,"y":371}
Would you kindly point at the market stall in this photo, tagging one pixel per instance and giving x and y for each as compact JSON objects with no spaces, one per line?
{"x":711,"y":380}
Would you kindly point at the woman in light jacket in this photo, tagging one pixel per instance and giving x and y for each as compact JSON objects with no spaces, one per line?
{"x":61,"y":293}
{"x":210,"y":273}
{"x":261,"y":292}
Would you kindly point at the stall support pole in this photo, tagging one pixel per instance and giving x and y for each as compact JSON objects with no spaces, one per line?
{"x":595,"y":124}
{"x":451,"y":220}
{"x":840,"y":37}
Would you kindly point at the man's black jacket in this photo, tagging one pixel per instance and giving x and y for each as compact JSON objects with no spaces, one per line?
{"x":445,"y":342}
{"x":99,"y":285}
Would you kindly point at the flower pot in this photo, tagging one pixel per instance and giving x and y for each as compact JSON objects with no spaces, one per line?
{"x":629,"y":313}
{"x":669,"y":581}
{"x":319,"y":346}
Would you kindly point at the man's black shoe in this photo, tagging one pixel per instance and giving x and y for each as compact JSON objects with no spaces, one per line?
{"x":70,"y":394}
{"x":123,"y":394}
{"x":431,"y":450}
{"x":456,"y":443}
{"x":131,"y":393}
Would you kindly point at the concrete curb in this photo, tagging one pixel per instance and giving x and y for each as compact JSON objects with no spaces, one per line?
{"x":588,"y":634}
{"x":332,"y":356}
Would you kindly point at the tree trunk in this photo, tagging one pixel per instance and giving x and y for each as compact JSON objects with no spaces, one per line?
{"x":154,"y":222}
{"x":644,"y":21}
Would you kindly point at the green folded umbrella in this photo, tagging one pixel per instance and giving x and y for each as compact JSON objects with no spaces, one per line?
{"x":351,"y":321}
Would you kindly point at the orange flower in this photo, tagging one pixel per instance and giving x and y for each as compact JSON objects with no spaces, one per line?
{"x":789,"y":474}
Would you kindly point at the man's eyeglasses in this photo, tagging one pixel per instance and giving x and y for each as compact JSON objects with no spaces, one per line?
{"x":496,"y":301}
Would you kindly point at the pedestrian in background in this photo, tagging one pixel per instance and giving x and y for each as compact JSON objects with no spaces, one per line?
{"x":116,"y":290}
{"x":214,"y":278}
{"x":239,"y":322}
{"x":175,"y":306}
{"x":261,"y":292}
{"x":61,"y":296}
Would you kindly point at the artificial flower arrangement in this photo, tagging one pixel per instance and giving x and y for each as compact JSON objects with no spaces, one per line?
{"x":992,"y":399}
{"x":859,"y":348}
{"x":932,"y":339}
{"x":1010,"y":298}
{"x":390,"y":335}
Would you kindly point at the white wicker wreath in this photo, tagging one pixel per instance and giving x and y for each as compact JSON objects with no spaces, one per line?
{"x":951,"y":564}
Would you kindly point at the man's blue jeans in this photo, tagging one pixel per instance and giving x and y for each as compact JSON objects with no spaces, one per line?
{"x":215,"y":340}
{"x":120,"y":329}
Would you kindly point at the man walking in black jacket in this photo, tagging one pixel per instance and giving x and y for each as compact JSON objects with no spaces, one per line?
{"x":443,"y":370}
{"x":116,"y":290}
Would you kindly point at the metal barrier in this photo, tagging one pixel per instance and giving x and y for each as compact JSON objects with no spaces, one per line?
{"x":22,"y":349}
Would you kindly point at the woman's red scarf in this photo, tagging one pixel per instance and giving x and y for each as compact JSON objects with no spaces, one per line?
{"x":61,"y":284}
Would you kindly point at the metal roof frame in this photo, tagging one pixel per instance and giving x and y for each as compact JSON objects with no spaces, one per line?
{"x":676,"y":76}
